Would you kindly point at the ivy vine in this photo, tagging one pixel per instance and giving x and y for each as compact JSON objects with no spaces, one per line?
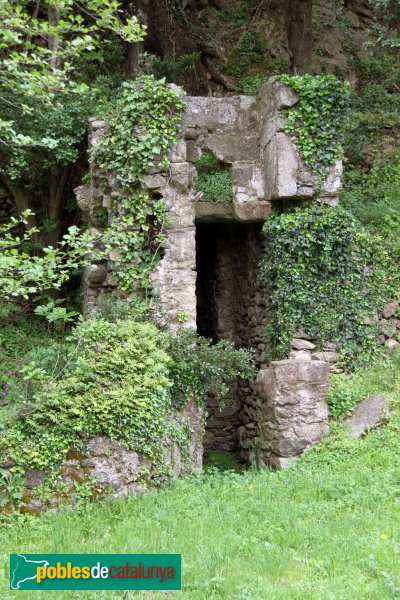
{"x":140,"y":132}
{"x":319,"y":119}
{"x":324,"y":274}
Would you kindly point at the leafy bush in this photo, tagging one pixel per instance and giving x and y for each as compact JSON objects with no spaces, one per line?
{"x":117,"y":385}
{"x":324,"y":273}
{"x":373,"y":196}
{"x":124,"y":379}
{"x":210,"y":366}
{"x":140,"y":130}
{"x":214,"y":179}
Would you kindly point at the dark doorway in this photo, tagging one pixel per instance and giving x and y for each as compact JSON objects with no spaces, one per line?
{"x":230,"y":306}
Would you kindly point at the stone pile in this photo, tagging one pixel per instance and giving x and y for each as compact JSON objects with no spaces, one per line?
{"x":386,"y":320}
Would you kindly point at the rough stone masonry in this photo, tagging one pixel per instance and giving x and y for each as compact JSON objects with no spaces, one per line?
{"x":246,"y":134}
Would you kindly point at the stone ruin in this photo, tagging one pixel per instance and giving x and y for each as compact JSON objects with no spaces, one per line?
{"x":211,"y":252}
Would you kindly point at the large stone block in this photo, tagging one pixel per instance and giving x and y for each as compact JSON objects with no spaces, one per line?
{"x":229,"y":147}
{"x":211,"y":113}
{"x":293,"y":410}
{"x":281,"y":164}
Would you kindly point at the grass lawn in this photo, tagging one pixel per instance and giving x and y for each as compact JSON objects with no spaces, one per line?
{"x":329,"y":527}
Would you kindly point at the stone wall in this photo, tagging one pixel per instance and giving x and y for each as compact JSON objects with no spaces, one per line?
{"x":246,"y":134}
{"x":386,"y":321}
{"x":107,"y":467}
{"x":243,"y":132}
{"x":293,"y":409}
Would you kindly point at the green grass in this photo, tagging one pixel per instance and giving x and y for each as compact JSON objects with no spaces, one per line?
{"x":328,"y":527}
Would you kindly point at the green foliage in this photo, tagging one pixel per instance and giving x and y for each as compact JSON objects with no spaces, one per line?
{"x":22,"y":274}
{"x":375,"y":108}
{"x":140,"y":131}
{"x":372,"y":194}
{"x":40,"y":55}
{"x":319,"y":119}
{"x":11,"y":486}
{"x":124,"y":379}
{"x":210,"y":366}
{"x":327,"y":525}
{"x":115,"y":383}
{"x":346,"y":392}
{"x":175,"y":69}
{"x":220,"y":461}
{"x":214,"y":179}
{"x":324,"y":274}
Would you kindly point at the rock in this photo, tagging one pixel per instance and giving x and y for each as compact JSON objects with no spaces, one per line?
{"x":303,"y":335}
{"x":330,"y":357}
{"x":251,"y":212}
{"x":293,"y":407}
{"x":380,"y":340}
{"x":298,"y":344}
{"x":154,"y":182}
{"x":299,"y":355}
{"x":390,"y":309}
{"x":182,"y":175}
{"x":329,"y":346}
{"x":281,"y":164}
{"x":102,"y":445}
{"x":371,"y":412}
{"x":392,"y":346}
{"x":231,"y":147}
{"x":97,"y":274}
{"x":34,"y":478}
{"x":387,"y":328}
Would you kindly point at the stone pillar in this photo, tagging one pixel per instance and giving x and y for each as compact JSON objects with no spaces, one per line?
{"x":293,"y":410}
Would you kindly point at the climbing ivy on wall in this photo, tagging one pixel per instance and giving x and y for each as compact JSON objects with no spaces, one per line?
{"x":319,"y":119}
{"x":324,"y":274}
{"x":140,"y":132}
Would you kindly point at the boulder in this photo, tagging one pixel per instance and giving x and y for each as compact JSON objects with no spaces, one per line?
{"x":328,"y":356}
{"x":371,"y":412}
{"x":387,"y":328}
{"x":293,"y":408}
{"x":298,"y":344}
{"x":299,"y":355}
{"x":390,"y":309}
{"x":391,"y":346}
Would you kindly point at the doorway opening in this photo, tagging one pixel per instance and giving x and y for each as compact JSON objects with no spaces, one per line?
{"x":230,"y":306}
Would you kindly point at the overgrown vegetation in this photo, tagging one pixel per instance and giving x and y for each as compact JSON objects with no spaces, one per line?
{"x":214,"y":179}
{"x":140,"y":132}
{"x":324,"y":274}
{"x":330,"y":522}
{"x":319,"y":119}
{"x":122,"y":378}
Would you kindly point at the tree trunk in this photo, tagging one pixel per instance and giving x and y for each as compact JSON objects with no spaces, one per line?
{"x":23,"y":201}
{"x":54,"y":16}
{"x":298,"y":21}
{"x":166,"y":36}
{"x":57,"y":188}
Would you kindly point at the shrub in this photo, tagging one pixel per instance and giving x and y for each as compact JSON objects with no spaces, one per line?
{"x":210,"y":366}
{"x":346,"y":392}
{"x":117,"y":386}
{"x":324,"y":273}
{"x":214,"y":179}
